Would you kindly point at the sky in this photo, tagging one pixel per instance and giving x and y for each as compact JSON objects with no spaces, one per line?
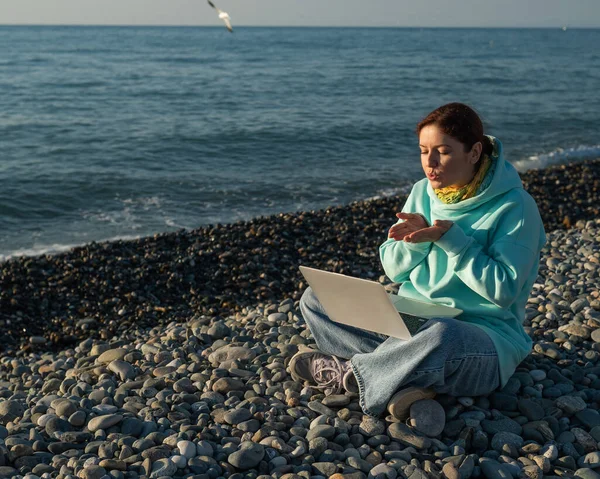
{"x":403,"y":13}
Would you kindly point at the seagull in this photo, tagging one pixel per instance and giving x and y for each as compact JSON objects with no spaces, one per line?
{"x":223,"y":16}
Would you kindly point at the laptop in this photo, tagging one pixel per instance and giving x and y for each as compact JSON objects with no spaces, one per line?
{"x":367,"y":305}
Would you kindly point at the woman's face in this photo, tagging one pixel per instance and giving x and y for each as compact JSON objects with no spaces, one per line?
{"x":444,"y":159}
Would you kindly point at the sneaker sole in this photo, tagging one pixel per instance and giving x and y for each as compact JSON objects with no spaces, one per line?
{"x":292,"y":364}
{"x":400,"y":403}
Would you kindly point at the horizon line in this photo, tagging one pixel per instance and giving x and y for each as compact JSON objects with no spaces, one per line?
{"x":127,"y":25}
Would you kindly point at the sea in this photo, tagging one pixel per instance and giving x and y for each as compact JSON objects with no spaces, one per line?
{"x":122,"y":132}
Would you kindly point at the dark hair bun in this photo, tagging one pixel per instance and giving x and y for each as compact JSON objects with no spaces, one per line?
{"x":460,"y":122}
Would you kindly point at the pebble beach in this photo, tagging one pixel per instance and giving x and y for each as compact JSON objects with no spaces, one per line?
{"x":167,"y":356}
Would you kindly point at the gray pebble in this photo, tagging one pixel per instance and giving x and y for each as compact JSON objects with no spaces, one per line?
{"x":162,"y":468}
{"x":111,"y":355}
{"x":248,"y":456}
{"x":371,"y":426}
{"x":104,"y":422}
{"x":428,"y":417}
{"x":404,"y":435}
{"x":502,"y":438}
{"x":10,"y":410}
{"x":570,"y":404}
{"x":322,"y":430}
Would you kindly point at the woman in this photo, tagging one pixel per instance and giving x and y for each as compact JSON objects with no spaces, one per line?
{"x":469,"y":236}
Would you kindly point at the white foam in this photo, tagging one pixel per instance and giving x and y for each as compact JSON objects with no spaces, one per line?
{"x":146,"y":201}
{"x":558,"y":156}
{"x":55,"y":248}
{"x":390,"y":192}
{"x":173,"y":224}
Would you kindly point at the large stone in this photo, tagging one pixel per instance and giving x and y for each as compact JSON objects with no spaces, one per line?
{"x":371,"y":426}
{"x":103,"y":409}
{"x":503,"y":401}
{"x":184,"y":385}
{"x":466,"y":468}
{"x":531,"y":410}
{"x":122,"y":368}
{"x":92,"y":472}
{"x":571,"y":404}
{"x":589,"y":417}
{"x":538,"y":374}
{"x":65,"y":408}
{"x":320,"y":408}
{"x":113,"y":464}
{"x":450,"y":471}
{"x":230,"y":352}
{"x":187,"y":449}
{"x":6,"y":471}
{"x":324,"y":469}
{"x":200,"y":464}
{"x":219,"y":330}
{"x":236,"y":416}
{"x":502,"y":438}
{"x":494,"y":470}
{"x":163,"y":468}
{"x":111,"y":355}
{"x":75,"y":437}
{"x":383,"y":471}
{"x":30,"y":461}
{"x":203,"y":448}
{"x":60,"y":447}
{"x":104,"y":422}
{"x":248,"y":456}
{"x":225,"y":385}
{"x":132,"y":426}
{"x":321,"y":430}
{"x":336,"y":400}
{"x":501,"y":425}
{"x":586,"y":473}
{"x":56,"y":424}
{"x":77,"y":419}
{"x":404,"y":435}
{"x":10,"y":410}
{"x":585,"y":439}
{"x":428,"y":417}
{"x":591,"y":459}
{"x":575,"y":329}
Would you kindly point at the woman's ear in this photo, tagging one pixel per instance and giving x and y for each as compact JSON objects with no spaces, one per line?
{"x":475,"y":153}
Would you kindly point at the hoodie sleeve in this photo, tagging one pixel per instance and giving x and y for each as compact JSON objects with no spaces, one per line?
{"x":399,"y":258}
{"x":498,"y":271}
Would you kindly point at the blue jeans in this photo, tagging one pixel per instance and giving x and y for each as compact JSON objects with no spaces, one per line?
{"x":447,"y":355}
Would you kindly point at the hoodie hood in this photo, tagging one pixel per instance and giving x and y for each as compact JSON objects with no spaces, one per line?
{"x":505,"y":177}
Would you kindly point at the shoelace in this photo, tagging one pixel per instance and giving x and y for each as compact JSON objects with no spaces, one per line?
{"x":329,"y":373}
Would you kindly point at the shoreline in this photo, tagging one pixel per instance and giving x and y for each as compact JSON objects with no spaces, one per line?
{"x":220,"y":269}
{"x":555,"y":158}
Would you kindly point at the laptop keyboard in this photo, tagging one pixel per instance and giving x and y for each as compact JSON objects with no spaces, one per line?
{"x":413,"y":323}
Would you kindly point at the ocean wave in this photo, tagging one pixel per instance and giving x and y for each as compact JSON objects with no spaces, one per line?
{"x":558,"y":156}
{"x":145,"y":202}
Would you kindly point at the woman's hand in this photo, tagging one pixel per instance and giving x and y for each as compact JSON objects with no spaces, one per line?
{"x":433,"y":233}
{"x":412,"y":222}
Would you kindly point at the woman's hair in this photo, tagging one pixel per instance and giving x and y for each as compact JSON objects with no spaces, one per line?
{"x":460,"y":122}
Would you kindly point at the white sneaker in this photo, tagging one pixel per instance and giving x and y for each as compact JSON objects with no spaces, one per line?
{"x":323,"y":371}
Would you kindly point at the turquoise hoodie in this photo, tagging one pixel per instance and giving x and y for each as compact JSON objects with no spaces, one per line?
{"x":485,"y":264}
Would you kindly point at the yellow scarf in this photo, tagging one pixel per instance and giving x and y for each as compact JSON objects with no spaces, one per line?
{"x":454,"y":194}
